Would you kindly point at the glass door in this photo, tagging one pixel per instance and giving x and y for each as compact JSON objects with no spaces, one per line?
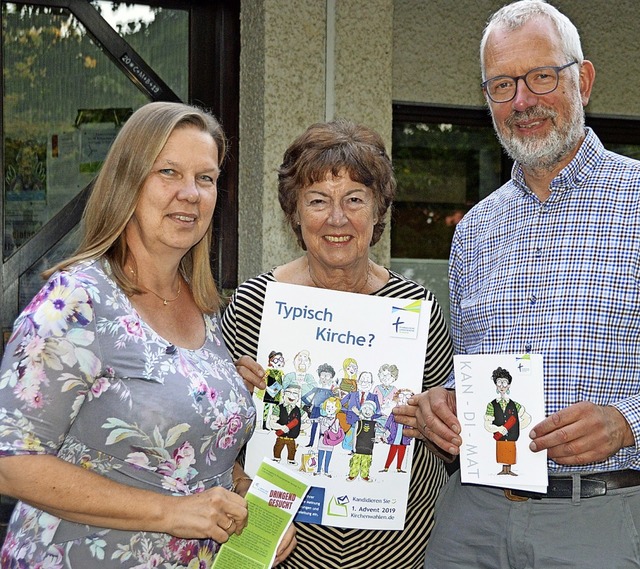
{"x":73,"y":72}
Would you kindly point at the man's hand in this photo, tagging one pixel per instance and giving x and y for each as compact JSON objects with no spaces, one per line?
{"x":582,"y":433}
{"x":432,"y":415}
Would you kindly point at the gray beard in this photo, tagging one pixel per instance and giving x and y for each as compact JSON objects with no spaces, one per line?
{"x":543,"y":153}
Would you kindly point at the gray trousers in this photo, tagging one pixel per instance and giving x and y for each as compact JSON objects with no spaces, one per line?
{"x":476,"y":527}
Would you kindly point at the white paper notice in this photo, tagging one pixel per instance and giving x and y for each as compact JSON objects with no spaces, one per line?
{"x":337,"y":363}
{"x":500,"y":397}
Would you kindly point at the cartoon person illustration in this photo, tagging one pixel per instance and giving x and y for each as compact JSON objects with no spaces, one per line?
{"x":393,"y":435}
{"x":273,"y":379}
{"x":387,"y":375}
{"x":331,"y":433}
{"x":352,"y":403}
{"x":317,"y":396}
{"x":385,"y":390}
{"x":300,"y":375}
{"x":349,"y":381}
{"x":504,"y":418}
{"x":287,"y":420}
{"x":363,"y":442}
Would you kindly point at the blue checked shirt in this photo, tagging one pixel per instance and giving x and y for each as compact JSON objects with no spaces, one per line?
{"x":560,"y":278}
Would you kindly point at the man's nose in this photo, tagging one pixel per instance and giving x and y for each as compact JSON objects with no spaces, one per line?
{"x":525,"y":97}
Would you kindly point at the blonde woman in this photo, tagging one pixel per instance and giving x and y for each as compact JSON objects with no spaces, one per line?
{"x":122,"y":414}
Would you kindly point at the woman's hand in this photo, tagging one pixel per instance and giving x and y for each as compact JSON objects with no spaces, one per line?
{"x":252,"y":373}
{"x":215,"y":513}
{"x":287,"y":545}
{"x":86,"y":497}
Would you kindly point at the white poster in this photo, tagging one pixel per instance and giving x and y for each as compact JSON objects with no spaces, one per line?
{"x":337,"y":363}
{"x":500,"y":397}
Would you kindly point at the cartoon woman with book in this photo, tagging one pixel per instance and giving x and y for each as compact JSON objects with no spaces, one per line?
{"x":504,"y":418}
{"x":349,"y":381}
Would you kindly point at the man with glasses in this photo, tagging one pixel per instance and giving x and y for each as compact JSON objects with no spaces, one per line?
{"x":549,"y":263}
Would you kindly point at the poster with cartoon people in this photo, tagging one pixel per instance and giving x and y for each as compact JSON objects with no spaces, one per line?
{"x":499,"y":398}
{"x":340,"y":362}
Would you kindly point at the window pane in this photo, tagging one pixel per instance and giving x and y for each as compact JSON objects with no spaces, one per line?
{"x":442,"y":170}
{"x":159,"y":36}
{"x":445,"y":161}
{"x":64,"y":101}
{"x":55,"y":135}
{"x":31,"y":281}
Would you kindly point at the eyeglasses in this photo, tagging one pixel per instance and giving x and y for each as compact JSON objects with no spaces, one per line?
{"x":540,"y":81}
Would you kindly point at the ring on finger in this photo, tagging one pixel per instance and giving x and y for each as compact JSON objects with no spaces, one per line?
{"x":231,"y":521}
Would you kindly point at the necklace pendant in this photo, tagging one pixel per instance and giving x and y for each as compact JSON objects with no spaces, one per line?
{"x":165,"y":302}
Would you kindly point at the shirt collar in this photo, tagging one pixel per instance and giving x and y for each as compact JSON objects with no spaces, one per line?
{"x":589,"y":154}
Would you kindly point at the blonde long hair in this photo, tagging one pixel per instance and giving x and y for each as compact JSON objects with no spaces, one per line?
{"x":117,"y":189}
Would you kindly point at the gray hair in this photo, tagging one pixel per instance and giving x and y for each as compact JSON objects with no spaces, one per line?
{"x":515,"y":15}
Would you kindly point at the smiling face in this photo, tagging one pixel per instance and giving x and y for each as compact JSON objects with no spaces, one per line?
{"x":330,"y":409}
{"x":178,"y":196}
{"x":539,"y":131}
{"x":291,"y":395}
{"x":336,"y":217}
{"x":385,"y":377}
{"x":368,"y":410}
{"x":302,"y":361}
{"x":365,"y":381}
{"x":326,"y":379}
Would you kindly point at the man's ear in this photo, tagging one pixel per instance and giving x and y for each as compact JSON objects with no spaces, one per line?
{"x":587,"y":77}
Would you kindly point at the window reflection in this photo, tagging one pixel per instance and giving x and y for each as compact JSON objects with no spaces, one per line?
{"x":55,"y":73}
{"x":442,"y":170}
{"x":446,"y":160}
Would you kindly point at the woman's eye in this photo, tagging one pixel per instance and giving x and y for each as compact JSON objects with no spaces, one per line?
{"x":166,"y":171}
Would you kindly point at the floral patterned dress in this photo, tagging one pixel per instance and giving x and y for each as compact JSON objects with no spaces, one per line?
{"x":84,"y":378}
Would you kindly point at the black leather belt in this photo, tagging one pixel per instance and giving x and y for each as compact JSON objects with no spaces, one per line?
{"x":591,"y":485}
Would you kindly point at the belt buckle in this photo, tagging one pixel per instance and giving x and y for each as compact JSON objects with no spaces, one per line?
{"x":509,"y":495}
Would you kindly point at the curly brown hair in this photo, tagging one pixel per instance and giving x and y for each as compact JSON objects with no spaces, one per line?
{"x":328,"y":149}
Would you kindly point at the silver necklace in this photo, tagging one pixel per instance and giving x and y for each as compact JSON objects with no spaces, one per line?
{"x":165,"y":301}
